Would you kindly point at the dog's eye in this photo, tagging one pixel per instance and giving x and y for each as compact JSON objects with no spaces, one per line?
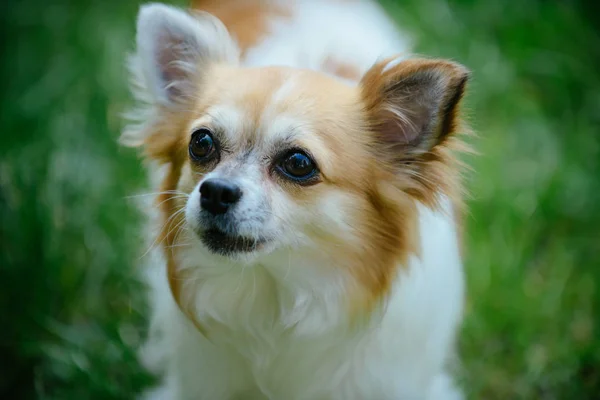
{"x":202,"y":145}
{"x":298,"y":166}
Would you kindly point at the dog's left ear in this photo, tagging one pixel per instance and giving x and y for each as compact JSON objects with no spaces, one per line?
{"x":412,"y":104}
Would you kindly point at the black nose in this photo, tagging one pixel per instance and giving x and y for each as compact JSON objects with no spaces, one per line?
{"x":217,"y":195}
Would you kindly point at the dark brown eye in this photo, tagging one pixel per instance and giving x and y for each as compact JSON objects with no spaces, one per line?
{"x":298,"y":166}
{"x":202,"y":145}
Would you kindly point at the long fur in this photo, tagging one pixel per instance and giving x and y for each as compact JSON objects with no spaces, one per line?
{"x":357,"y":290}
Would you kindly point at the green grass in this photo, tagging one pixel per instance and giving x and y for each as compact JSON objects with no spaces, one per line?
{"x":73,"y":312}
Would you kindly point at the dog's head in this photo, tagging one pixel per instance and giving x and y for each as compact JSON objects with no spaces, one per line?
{"x":265,"y":160}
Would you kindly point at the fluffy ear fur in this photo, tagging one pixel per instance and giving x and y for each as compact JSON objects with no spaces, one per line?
{"x":174,"y":49}
{"x":412,"y":104}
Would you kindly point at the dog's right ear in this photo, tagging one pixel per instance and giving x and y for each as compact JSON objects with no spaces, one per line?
{"x":174,"y":51}
{"x":174,"y":47}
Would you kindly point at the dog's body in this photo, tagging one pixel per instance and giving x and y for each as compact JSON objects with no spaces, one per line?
{"x":355,"y":288}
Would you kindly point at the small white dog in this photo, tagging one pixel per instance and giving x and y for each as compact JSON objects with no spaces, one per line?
{"x":308,"y":201}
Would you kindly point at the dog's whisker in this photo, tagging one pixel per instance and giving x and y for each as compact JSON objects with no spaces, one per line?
{"x":183,"y":228}
{"x":156,"y":194}
{"x":156,"y":241}
{"x":170,"y":198}
{"x":179,"y":224}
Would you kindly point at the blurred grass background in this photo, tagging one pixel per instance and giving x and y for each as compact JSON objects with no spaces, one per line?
{"x":72,"y":311}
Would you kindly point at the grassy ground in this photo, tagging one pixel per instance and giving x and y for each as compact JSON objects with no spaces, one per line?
{"x":72,"y":311}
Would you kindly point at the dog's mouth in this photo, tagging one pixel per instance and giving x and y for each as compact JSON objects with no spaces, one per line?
{"x":223,"y":243}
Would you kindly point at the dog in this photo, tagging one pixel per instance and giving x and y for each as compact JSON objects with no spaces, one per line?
{"x":306,"y":225}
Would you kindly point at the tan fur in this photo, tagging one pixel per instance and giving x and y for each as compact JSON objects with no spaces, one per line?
{"x":344,"y":134}
{"x":341,"y":69}
{"x":246,"y":20}
{"x":340,"y":138}
{"x":298,"y":213}
{"x":440,"y":168}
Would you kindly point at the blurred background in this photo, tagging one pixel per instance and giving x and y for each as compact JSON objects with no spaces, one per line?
{"x":72,"y":311}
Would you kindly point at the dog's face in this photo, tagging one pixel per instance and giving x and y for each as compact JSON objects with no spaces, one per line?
{"x":273,"y":160}
{"x":278,"y":159}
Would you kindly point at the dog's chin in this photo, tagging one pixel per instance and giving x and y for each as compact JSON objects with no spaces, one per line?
{"x":234,"y":246}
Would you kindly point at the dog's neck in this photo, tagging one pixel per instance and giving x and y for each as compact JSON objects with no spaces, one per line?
{"x":287,"y":291}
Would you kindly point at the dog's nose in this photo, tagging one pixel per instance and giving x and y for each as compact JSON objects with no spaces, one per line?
{"x":218,"y":195}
